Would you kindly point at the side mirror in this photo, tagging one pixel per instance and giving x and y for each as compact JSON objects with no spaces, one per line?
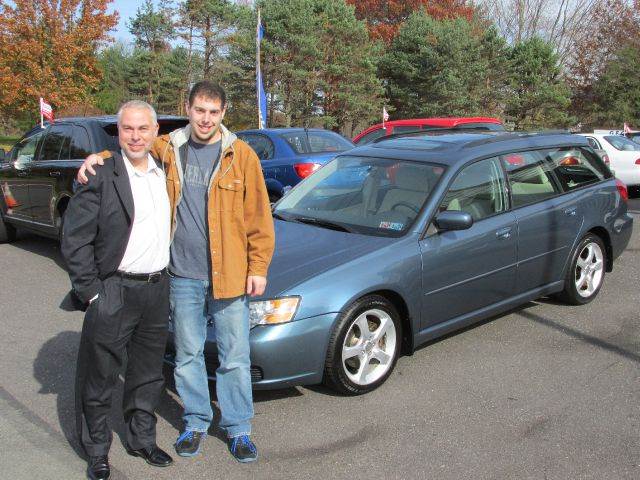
{"x":453,"y":220}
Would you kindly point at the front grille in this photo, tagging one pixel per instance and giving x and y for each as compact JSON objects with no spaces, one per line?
{"x":211,"y":361}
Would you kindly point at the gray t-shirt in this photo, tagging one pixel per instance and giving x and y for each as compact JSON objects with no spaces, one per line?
{"x":190,"y":255}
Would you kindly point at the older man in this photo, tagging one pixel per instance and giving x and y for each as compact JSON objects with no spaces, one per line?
{"x":116,"y":245}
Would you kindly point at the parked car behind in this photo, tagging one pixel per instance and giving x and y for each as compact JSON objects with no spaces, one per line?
{"x":391,"y":245}
{"x":624,"y":156}
{"x":37,"y":176}
{"x":288,"y":155}
{"x":394,"y":127}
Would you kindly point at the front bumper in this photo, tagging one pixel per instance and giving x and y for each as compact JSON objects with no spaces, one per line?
{"x":281,"y":355}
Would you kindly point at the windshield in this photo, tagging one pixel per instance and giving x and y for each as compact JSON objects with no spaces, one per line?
{"x":622,"y":143}
{"x":313,"y":141}
{"x":365,"y":195}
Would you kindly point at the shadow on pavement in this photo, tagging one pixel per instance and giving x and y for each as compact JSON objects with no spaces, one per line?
{"x":45,"y":247}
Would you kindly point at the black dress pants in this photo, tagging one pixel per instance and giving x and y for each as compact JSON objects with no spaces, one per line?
{"x":128,"y":320}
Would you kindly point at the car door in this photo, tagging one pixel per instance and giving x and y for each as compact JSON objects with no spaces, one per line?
{"x":46,"y":171}
{"x":467,"y":270}
{"x":547,"y":221}
{"x":15,"y":180}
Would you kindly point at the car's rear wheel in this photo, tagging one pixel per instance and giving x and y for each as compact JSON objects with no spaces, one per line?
{"x":7,"y":231}
{"x":586,"y":272}
{"x":364,"y":346}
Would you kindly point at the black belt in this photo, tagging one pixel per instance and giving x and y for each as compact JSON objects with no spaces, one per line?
{"x":153,"y":277}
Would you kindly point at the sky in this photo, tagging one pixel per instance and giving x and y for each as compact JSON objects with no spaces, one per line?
{"x":126,"y":9}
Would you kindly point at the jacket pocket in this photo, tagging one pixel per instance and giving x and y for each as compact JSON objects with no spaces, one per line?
{"x":230,"y":194}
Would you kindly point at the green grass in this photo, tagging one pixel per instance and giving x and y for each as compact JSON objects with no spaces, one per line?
{"x":7,"y":142}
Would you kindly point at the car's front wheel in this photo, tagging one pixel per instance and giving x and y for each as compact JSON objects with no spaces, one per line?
{"x":586,"y":272}
{"x":364,"y":346}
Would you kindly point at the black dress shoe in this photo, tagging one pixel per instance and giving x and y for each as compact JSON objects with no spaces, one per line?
{"x":98,"y":468}
{"x":153,"y":456}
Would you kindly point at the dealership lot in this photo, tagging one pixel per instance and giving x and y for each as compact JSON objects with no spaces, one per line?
{"x":545,"y":392}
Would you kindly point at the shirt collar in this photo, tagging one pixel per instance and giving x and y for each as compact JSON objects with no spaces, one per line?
{"x":151,"y":166}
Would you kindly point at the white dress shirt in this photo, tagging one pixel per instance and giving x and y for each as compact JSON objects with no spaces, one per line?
{"x":148,"y":247}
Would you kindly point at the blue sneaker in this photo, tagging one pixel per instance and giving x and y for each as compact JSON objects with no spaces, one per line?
{"x":243,"y":449}
{"x":188,"y":443}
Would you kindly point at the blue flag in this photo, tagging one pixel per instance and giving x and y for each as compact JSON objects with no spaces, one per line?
{"x":262,"y":96}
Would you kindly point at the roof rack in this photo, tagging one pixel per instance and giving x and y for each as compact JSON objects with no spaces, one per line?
{"x":437,"y":131}
{"x":510,"y":135}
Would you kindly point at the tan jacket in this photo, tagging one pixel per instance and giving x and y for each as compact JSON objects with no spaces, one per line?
{"x":241,"y":235}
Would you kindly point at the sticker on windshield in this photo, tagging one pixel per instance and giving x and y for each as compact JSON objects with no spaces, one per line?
{"x":392,"y":225}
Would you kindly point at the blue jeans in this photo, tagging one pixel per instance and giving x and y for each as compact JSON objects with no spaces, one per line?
{"x":191,"y":306}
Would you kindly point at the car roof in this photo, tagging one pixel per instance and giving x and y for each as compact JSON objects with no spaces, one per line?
{"x":442,"y":122}
{"x":284,"y":130}
{"x":450,"y":149}
{"x":109,"y":119}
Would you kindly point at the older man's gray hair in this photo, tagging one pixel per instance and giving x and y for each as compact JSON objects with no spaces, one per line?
{"x":140,"y":105}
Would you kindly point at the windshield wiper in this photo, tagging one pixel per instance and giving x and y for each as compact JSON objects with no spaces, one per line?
{"x":322,"y":223}
{"x":280,"y":217}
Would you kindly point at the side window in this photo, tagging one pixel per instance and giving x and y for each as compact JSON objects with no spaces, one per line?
{"x":80,"y":143}
{"x":261,"y":144}
{"x":406,"y":128}
{"x":371,"y":136}
{"x":530,"y":177}
{"x":594,"y":143}
{"x":25,"y":150}
{"x":56,"y":139}
{"x":478,"y":190}
{"x":575,"y":167}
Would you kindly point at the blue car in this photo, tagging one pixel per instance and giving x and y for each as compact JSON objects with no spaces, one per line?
{"x":427,"y":235}
{"x":289,"y":155}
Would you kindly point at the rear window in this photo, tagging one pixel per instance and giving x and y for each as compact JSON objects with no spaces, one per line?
{"x":316,"y":142}
{"x":622,"y":143}
{"x":576,"y":167}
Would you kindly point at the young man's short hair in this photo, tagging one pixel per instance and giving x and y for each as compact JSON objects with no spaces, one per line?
{"x":209,"y":90}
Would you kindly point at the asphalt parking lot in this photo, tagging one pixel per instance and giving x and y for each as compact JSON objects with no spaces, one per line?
{"x":545,"y":392}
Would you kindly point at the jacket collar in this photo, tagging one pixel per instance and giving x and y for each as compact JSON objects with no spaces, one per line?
{"x":122,"y":183}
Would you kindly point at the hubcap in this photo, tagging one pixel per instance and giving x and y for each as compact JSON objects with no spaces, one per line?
{"x":369,"y":347}
{"x":589,"y":269}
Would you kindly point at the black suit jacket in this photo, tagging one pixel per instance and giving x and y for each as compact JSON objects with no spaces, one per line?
{"x":97,"y":226}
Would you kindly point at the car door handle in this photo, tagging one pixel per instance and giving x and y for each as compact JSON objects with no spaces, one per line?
{"x":54,"y":174}
{"x":504,"y":232}
{"x":570,"y":211}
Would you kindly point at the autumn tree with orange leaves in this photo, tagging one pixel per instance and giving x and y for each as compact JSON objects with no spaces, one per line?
{"x":384,"y":17}
{"x":49,"y":49}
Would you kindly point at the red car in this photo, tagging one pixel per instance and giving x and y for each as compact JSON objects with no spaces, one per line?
{"x":399,"y":126}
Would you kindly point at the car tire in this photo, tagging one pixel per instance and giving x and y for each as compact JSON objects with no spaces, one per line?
{"x":364,"y":346}
{"x":7,"y":231}
{"x":586,"y":272}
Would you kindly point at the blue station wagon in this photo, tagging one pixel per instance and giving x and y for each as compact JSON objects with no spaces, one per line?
{"x":391,"y":245}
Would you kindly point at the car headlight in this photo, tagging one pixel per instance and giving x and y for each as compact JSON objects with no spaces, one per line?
{"x":270,"y":312}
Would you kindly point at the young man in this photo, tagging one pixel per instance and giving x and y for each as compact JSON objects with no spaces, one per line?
{"x":116,"y":244}
{"x":222,"y":243}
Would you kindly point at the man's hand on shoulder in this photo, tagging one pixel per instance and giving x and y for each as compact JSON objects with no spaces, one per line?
{"x":88,"y":164}
{"x":256,"y":285}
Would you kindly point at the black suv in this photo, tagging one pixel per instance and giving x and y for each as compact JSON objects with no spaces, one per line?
{"x":37,"y":176}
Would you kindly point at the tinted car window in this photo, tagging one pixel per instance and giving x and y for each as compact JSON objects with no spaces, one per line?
{"x":594,"y":143}
{"x":316,"y":142}
{"x":24,"y":151}
{"x":80,"y":143}
{"x":530,"y":177}
{"x":53,"y":144}
{"x":575,"y":167}
{"x":478,"y":190}
{"x":406,"y":128}
{"x":261,"y":144}
{"x":371,"y":136}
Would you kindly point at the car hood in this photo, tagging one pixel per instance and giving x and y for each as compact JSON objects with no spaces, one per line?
{"x":304,"y":251}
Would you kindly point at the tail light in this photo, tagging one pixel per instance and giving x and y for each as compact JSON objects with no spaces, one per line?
{"x":638,"y":161}
{"x":570,"y":161}
{"x":622,"y":189}
{"x":305,"y":169}
{"x":605,"y":159}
